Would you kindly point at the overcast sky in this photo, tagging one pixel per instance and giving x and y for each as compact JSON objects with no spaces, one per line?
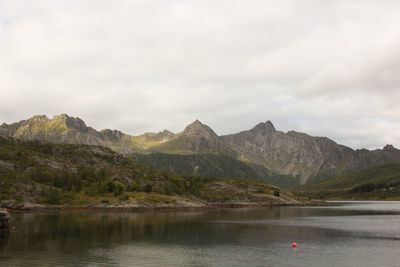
{"x":328,"y":68}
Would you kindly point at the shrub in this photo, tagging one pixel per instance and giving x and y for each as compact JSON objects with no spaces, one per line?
{"x":109,"y":187}
{"x":123,"y":197}
{"x":368,"y":187}
{"x":51,"y":196}
{"x":148,"y":188}
{"x":134,"y":186}
{"x":118,"y":188}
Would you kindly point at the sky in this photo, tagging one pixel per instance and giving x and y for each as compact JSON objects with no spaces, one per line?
{"x":327,"y":68}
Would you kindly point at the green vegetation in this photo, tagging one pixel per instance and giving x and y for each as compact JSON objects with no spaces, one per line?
{"x":379,"y":182}
{"x":67,"y":174}
{"x":209,"y":165}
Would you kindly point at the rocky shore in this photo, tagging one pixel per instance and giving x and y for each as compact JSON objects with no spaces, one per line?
{"x":181,"y":205}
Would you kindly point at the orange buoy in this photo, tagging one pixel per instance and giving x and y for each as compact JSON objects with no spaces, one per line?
{"x":294,"y":245}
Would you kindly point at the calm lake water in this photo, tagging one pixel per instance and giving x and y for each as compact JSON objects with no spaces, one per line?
{"x":347,"y":234}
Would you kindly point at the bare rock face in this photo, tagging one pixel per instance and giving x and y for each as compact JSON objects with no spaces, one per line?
{"x":113,"y":135}
{"x":292,"y":153}
{"x":198,"y":129}
{"x":159,"y":137}
{"x":70,"y":122}
{"x":198,"y":137}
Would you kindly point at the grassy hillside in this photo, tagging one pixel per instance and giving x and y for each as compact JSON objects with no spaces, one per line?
{"x":212,"y":165}
{"x":380,"y":182}
{"x":60,"y":174}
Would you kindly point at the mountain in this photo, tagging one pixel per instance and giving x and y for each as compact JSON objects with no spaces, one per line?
{"x":195,"y":138}
{"x":302,"y":155}
{"x":65,"y":129}
{"x":378,"y":182}
{"x":263,"y":148}
{"x":70,"y":174}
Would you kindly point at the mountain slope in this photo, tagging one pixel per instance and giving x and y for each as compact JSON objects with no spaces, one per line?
{"x":211,"y":166}
{"x":378,"y":182}
{"x":263,"y":148}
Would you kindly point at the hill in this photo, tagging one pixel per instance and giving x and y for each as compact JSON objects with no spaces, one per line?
{"x":69,"y":174}
{"x":379,"y":182}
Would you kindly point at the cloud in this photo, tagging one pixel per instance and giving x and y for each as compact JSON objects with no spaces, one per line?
{"x":327,"y":68}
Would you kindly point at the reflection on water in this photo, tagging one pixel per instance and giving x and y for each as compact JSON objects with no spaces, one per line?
{"x":327,"y":236}
{"x":3,"y":239}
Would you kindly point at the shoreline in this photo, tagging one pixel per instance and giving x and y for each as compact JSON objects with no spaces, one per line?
{"x":34,"y":208}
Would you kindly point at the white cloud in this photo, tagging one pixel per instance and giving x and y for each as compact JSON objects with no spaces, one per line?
{"x":327,"y":68}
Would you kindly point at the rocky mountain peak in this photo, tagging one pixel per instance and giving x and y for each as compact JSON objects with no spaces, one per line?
{"x":60,"y":117}
{"x":160,"y":136}
{"x":264,"y":128}
{"x":198,"y":137}
{"x":197,"y":128}
{"x":39,"y":118}
{"x":71,"y":122}
{"x":112,"y":134}
{"x":167,"y":133}
{"x":196,"y":123}
{"x":389,"y":148}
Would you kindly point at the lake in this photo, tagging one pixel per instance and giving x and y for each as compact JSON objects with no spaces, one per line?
{"x":346,"y":234}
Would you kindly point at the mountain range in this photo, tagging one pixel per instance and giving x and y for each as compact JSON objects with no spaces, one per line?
{"x":261,"y":152}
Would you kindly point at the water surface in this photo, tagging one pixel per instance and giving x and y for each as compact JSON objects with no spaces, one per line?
{"x":347,"y":234}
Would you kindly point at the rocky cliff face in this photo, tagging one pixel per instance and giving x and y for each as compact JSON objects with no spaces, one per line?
{"x":292,"y":153}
